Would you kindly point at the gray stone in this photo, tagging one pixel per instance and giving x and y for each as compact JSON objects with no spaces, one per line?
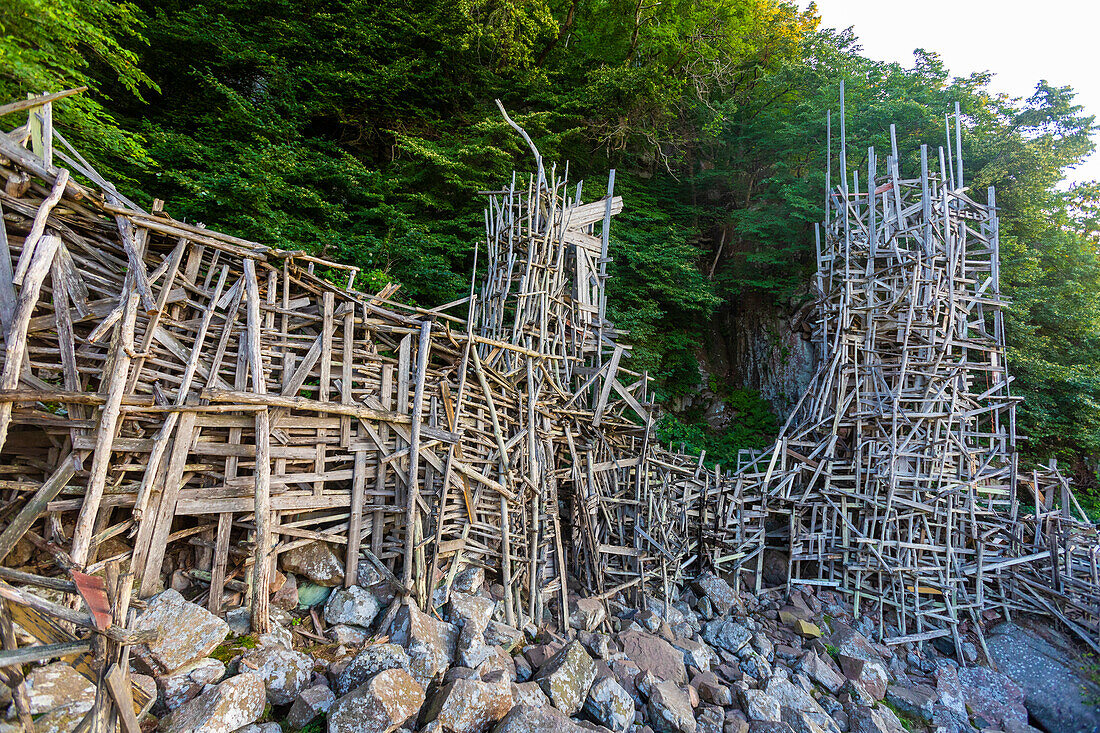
{"x":869,"y":675}
{"x":187,"y":632}
{"x":851,"y":643}
{"x":348,"y":635}
{"x":587,"y":614}
{"x":501,"y":634}
{"x":56,"y":685}
{"x":653,"y":654}
{"x":469,"y":580}
{"x":63,"y":719}
{"x":260,"y":728}
{"x":567,"y":677}
{"x":915,"y":702}
{"x":710,"y":719}
{"x":1056,"y":692}
{"x":821,"y":671}
{"x":529,"y":693}
{"x":315,"y":561}
{"x":470,"y":648}
{"x":187,"y":682}
{"x":380,"y":705}
{"x":239,"y":620}
{"x":759,"y":705}
{"x":992,"y":698}
{"x":722,"y":597}
{"x":356,"y":606}
{"x":284,"y":672}
{"x":310,"y":703}
{"x":369,"y":662}
{"x":726,"y":634}
{"x":232,"y":704}
{"x":696,"y":653}
{"x":610,"y":704}
{"x":464,"y":608}
{"x":711,"y":690}
{"x":769,"y":726}
{"x":470,"y":705}
{"x":879,"y":719}
{"x":528,"y":719}
{"x":430,"y":643}
{"x":735,"y":722}
{"x":669,"y":708}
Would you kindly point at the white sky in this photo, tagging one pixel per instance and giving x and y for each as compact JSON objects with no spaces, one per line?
{"x":1020,"y":41}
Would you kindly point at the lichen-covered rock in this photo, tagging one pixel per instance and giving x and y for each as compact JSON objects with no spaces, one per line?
{"x":990,"y":698}
{"x":429,"y":643}
{"x":869,"y":675}
{"x":722,"y":597}
{"x":726,"y":634}
{"x":356,"y":606}
{"x":63,"y":719}
{"x":284,"y":672}
{"x":369,"y":662}
{"x":501,"y":634}
{"x":759,"y":705}
{"x":567,"y":677}
{"x":316,"y":561}
{"x":310,"y":703}
{"x":529,"y":693}
{"x":879,"y":719}
{"x":187,"y":682}
{"x":233,"y":704}
{"x":56,"y":685}
{"x":465,"y":608}
{"x":821,"y":671}
{"x":470,"y":648}
{"x":348,"y":635}
{"x":851,"y":643}
{"x":469,"y":580}
{"x":380,"y":705}
{"x":712,"y":690}
{"x":670,"y":710}
{"x":587,"y":614}
{"x":696,"y":653}
{"x":470,"y":706}
{"x":916,"y":701}
{"x":610,"y":704}
{"x":527,"y":719}
{"x":653,"y":654}
{"x":187,"y":632}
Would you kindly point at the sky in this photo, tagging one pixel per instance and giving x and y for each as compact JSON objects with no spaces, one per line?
{"x":1020,"y":41}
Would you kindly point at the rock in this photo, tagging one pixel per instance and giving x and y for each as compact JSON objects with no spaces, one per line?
{"x":726,"y":634}
{"x":311,"y":594}
{"x":315,"y":561}
{"x":469,"y":580}
{"x":851,"y":643}
{"x":879,"y":719}
{"x":1056,"y":693}
{"x":664,"y":611}
{"x":759,"y":705}
{"x":465,"y":609}
{"x":347,"y":635}
{"x":790,"y":695}
{"x":915,"y":702}
{"x":710,"y":719}
{"x":501,"y":634}
{"x":735,"y":722}
{"x":470,"y":706}
{"x":187,"y":632}
{"x":187,"y":682}
{"x":587,"y":614}
{"x":696,"y":653}
{"x":653,"y":654}
{"x":567,"y":677}
{"x":286,"y":597}
{"x":821,"y":671}
{"x":355,"y":605}
{"x":610,"y":704}
{"x":540,"y":654}
{"x":711,"y":690}
{"x":669,"y":708}
{"x":380,"y":705}
{"x":722,"y":597}
{"x":260,"y":728}
{"x":527,"y":719}
{"x":524,"y":672}
{"x":284,"y":672}
{"x":232,"y":704}
{"x":529,"y":693}
{"x":871,"y":676}
{"x":278,"y":637}
{"x":769,"y":726}
{"x":239,"y":620}
{"x":992,"y":698}
{"x":429,"y":643}
{"x":776,"y":568}
{"x":807,"y":630}
{"x":56,"y":685}
{"x":470,"y":649}
{"x":310,"y":703}
{"x":369,"y":662}
{"x":63,"y":719}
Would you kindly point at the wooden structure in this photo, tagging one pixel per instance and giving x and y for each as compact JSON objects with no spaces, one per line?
{"x":177,"y":400}
{"x":897,"y":474}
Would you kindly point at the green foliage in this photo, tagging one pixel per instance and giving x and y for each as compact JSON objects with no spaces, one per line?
{"x":752,"y":425}
{"x":364,"y":131}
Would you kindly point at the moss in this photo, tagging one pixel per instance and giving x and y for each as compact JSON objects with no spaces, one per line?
{"x":232,"y":647}
{"x":907,"y":722}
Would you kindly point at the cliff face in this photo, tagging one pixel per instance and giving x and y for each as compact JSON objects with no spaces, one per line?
{"x":758,"y":344}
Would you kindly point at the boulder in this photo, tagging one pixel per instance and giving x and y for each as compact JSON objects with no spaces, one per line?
{"x":879,"y":719}
{"x":356,"y":606}
{"x":232,"y":704}
{"x":57,"y":685}
{"x":501,"y":634}
{"x":915,"y":702}
{"x":991,"y":698}
{"x":711,"y":719}
{"x":311,"y":594}
{"x":316,"y":561}
{"x":187,"y":682}
{"x":587,"y":614}
{"x":669,"y":708}
{"x":527,"y":719}
{"x":470,"y":648}
{"x":759,"y":705}
{"x":63,"y":719}
{"x":722,"y":597}
{"x":347,"y":635}
{"x":711,"y":690}
{"x":726,"y":634}
{"x":529,"y":693}
{"x":869,"y":675}
{"x":821,"y":671}
{"x":470,"y":705}
{"x":1056,"y":692}
{"x":696,"y":653}
{"x":567,"y":677}
{"x":429,"y":643}
{"x":851,"y":643}
{"x":310,"y":703}
{"x":369,"y":662}
{"x":464,"y":608}
{"x":284,"y":672}
{"x":735,"y":722}
{"x":610,"y":704}
{"x":653,"y":654}
{"x":187,"y":632}
{"x":380,"y":705}
{"x":469,"y":580}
